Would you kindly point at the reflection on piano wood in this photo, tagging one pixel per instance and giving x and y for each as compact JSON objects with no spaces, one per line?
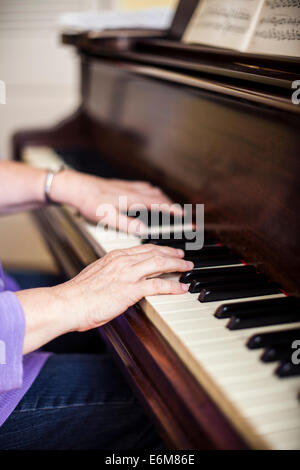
{"x":233,"y":145}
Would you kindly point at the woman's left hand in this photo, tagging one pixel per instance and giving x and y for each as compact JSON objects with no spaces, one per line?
{"x":98,"y":199}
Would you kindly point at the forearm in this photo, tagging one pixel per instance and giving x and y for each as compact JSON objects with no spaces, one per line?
{"x":45,"y":316}
{"x":21,"y":186}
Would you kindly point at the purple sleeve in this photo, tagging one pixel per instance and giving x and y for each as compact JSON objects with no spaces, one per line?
{"x":12,"y":330}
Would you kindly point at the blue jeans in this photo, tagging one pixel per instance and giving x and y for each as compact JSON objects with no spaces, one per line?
{"x":79,"y":401}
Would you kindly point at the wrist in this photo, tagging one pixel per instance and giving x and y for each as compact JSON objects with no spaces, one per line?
{"x":36,"y":182}
{"x":73,"y":188}
{"x":64,"y":187}
{"x":45,"y":316}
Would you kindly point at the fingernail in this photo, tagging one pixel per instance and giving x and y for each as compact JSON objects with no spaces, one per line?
{"x":180,"y":252}
{"x":184,"y":287}
{"x":189,"y":264}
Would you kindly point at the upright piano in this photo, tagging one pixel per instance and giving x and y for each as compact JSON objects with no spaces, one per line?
{"x":215,"y":368}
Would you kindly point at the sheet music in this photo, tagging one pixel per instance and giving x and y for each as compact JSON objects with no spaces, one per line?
{"x":278,"y":29}
{"x":223,"y":24}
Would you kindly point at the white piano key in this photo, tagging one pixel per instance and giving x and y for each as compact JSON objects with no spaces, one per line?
{"x":277,"y":421}
{"x":264,"y":387}
{"x":286,"y":439}
{"x":274,"y":402}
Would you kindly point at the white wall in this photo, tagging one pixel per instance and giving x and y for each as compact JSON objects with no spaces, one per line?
{"x":41,"y":75}
{"x":41,"y":87}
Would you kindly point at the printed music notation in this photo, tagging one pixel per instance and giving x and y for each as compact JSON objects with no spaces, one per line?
{"x":273,"y":34}
{"x":220,"y":23}
{"x":272,"y":4}
{"x":280,"y":20}
{"x":278,"y":28}
{"x":257,"y":26}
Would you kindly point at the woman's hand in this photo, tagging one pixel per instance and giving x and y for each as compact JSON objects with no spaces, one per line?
{"x":101,"y":292}
{"x":98,"y":199}
{"x":108,"y":287}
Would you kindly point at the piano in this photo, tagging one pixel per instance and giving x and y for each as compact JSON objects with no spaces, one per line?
{"x":213,"y":367}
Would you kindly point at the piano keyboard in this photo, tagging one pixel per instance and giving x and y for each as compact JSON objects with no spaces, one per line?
{"x":264,"y":408}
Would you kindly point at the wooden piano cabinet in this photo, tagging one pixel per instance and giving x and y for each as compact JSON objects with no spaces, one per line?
{"x":185,"y":415}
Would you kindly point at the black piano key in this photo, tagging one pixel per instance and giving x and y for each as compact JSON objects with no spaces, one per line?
{"x":258,"y":306}
{"x":215,"y":272}
{"x":210,"y":261}
{"x":157,"y":218}
{"x":287,"y":369}
{"x":178,"y":236}
{"x":207,"y":282}
{"x":276,"y":352}
{"x":263,"y":340}
{"x":237,"y":291}
{"x":170,"y":241}
{"x":252,"y":319}
{"x":207,"y":251}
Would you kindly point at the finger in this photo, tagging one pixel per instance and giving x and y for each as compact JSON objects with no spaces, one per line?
{"x":159,"y":264}
{"x":142,"y":265}
{"x":144,"y":199}
{"x":158,"y":286}
{"x":134,"y":185}
{"x":132,"y":256}
{"x":147,"y":188}
{"x":140,"y":186}
{"x":148,"y":248}
{"x":114,"y":219}
{"x":156,"y":204}
{"x":130,"y":225}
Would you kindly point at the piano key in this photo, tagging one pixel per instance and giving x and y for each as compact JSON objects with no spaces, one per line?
{"x":157,"y":218}
{"x":216,"y":272}
{"x":251,"y":319}
{"x":182,"y":244}
{"x":208,"y":282}
{"x":268,"y":386}
{"x":237,"y":291}
{"x":274,"y":422}
{"x":177,"y":238}
{"x":205,"y":331}
{"x":276,"y":352}
{"x":288,"y":439}
{"x":188,"y":298}
{"x":210,"y":261}
{"x":208,"y":251}
{"x":177,"y":235}
{"x":281,"y":400}
{"x":278,"y":337}
{"x":260,"y":306}
{"x":287,"y":369}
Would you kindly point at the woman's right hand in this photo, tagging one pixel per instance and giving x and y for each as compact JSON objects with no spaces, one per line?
{"x":110,"y":285}
{"x":101,"y":292}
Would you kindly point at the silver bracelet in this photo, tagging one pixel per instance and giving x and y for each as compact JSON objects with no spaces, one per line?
{"x":48,"y":183}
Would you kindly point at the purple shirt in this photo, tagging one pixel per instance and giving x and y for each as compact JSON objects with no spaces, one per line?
{"x":17,"y":372}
